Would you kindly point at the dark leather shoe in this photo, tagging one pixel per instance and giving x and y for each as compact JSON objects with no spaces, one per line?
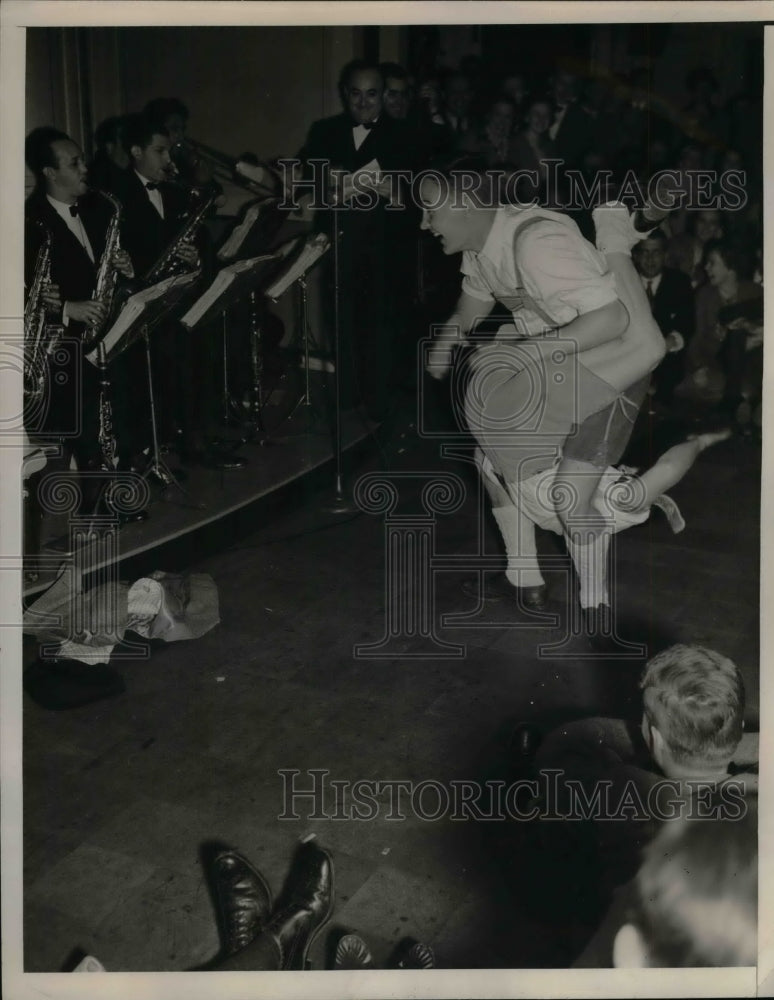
{"x":307,"y":904}
{"x":497,"y":587}
{"x":244,"y":900}
{"x":352,"y":953}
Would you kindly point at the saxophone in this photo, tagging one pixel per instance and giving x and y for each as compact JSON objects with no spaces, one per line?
{"x":107,"y":274}
{"x":169,"y":264}
{"x":40,"y":336}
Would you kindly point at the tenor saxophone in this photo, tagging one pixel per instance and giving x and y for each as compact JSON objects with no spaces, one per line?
{"x":107,"y":274}
{"x":169,"y":264}
{"x":40,"y":336}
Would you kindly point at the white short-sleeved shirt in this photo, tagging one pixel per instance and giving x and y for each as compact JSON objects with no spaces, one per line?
{"x":558,"y":268}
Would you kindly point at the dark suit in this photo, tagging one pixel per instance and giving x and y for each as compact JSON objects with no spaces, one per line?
{"x":573,"y":136}
{"x":673,"y":309}
{"x":183,"y":372}
{"x":373,"y":243}
{"x":144,"y":234}
{"x":73,"y":395}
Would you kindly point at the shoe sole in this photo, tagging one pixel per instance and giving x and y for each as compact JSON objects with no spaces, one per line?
{"x":258,"y":878}
{"x":313,"y":935}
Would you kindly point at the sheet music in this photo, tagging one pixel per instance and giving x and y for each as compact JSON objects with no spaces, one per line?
{"x":222,"y":281}
{"x":364,"y":178}
{"x":311,"y":253}
{"x":134,"y":307}
{"x":240,"y":232}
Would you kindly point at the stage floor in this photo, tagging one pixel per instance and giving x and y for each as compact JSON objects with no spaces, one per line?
{"x":300,"y":446}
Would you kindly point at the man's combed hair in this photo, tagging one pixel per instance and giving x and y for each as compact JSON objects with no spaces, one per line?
{"x":357,"y":66}
{"x":697,"y":893}
{"x":139,"y":129}
{"x":695,"y":698}
{"x":38,"y":153}
{"x":393,"y":71}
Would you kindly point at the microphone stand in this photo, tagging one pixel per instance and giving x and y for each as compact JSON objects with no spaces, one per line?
{"x":341,"y":503}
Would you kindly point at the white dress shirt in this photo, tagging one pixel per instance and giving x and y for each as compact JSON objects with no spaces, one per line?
{"x":559,"y":113}
{"x":360,"y":133}
{"x":73,"y":222}
{"x":154,"y":196}
{"x":654,"y":283}
{"x":559,"y":269}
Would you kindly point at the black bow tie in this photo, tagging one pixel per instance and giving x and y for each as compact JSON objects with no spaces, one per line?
{"x":73,"y":210}
{"x":150,"y":186}
{"x":367,"y":125}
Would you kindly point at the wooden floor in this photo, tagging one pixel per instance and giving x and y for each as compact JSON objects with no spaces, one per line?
{"x":119,"y":797}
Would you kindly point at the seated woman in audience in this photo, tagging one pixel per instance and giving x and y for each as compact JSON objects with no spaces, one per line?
{"x":725,"y":357}
{"x":686,"y":250}
{"x":492,"y":141}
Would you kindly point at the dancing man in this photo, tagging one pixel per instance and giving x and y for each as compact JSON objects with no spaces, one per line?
{"x":560,"y":386}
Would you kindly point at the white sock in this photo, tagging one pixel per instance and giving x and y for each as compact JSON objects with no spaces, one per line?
{"x":590,"y":561}
{"x":519,"y":538}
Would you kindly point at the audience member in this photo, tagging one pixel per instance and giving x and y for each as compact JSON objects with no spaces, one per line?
{"x":530,"y":148}
{"x":397,"y":90}
{"x":691,"y":734}
{"x":492,"y":141}
{"x":457,"y":104}
{"x":702,"y":117}
{"x":514,"y":87}
{"x":685,"y":252}
{"x":693,"y":903}
{"x":570,"y":130}
{"x":671,"y":299}
{"x":727,"y":349}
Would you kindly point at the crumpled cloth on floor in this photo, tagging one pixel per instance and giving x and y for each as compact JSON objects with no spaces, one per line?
{"x":89,"y":624}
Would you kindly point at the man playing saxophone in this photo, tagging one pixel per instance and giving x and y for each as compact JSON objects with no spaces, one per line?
{"x":78,"y":221}
{"x":163,"y":233}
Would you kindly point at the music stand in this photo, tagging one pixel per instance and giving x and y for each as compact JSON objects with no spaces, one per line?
{"x":263,"y":228}
{"x":232,"y":284}
{"x":295,"y":274}
{"x":142,"y":313}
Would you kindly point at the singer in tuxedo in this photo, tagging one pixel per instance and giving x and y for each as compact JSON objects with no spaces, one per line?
{"x":78,"y":220}
{"x":671,"y":299}
{"x":370,"y":241}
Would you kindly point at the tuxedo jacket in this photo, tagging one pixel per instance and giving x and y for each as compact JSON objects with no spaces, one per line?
{"x":71,"y":267}
{"x":673,"y":304}
{"x":389,"y":142}
{"x":330,"y":140}
{"x":144,"y":234}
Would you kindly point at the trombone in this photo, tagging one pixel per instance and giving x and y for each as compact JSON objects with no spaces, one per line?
{"x":200,"y":164}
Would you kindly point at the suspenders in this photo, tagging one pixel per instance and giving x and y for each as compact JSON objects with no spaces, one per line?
{"x":522,"y":298}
